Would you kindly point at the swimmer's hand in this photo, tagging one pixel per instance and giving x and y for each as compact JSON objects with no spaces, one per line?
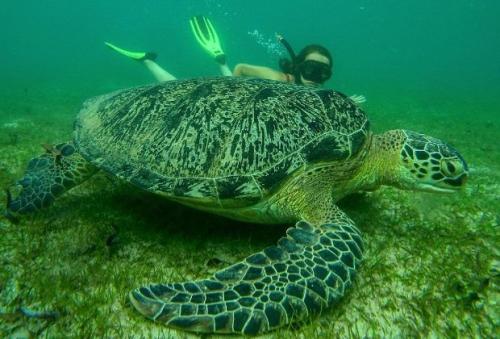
{"x":358,"y":99}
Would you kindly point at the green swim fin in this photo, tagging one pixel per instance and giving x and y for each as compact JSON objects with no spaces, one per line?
{"x":132,"y":55}
{"x":207,"y":37}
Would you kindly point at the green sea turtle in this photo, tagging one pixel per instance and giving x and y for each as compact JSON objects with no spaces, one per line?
{"x":251,"y":150}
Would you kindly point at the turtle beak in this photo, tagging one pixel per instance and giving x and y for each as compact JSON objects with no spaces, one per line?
{"x":435,"y":189}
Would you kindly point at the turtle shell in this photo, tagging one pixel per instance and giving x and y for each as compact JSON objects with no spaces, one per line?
{"x":228,"y":141}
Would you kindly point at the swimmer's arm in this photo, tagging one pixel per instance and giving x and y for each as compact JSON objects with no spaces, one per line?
{"x":258,"y":72}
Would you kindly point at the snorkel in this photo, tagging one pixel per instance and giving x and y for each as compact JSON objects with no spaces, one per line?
{"x":287,"y":46}
{"x":289,"y":66}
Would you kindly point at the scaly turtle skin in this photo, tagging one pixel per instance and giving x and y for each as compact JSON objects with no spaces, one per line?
{"x":251,"y":150}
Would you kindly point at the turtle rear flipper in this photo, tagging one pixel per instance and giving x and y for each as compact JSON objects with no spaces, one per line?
{"x":305,"y":273}
{"x":47,"y":177}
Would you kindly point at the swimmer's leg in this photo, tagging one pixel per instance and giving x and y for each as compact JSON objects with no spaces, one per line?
{"x":147,"y":59}
{"x":225,"y":71}
{"x":158,"y":72}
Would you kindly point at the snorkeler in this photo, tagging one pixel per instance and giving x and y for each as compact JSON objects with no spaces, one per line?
{"x":311,"y":67}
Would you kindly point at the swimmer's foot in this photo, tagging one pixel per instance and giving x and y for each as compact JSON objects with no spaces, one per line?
{"x":139,"y":56}
{"x":207,"y":37}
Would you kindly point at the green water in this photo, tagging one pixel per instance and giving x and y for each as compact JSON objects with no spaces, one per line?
{"x":431,"y":262}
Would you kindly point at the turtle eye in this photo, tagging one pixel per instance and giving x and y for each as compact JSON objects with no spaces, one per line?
{"x":451,"y":167}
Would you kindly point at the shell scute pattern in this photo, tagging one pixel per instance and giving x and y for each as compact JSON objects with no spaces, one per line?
{"x":194,"y":188}
{"x":347,"y":118}
{"x":242,"y":188}
{"x":270,"y":179}
{"x":222,"y":138}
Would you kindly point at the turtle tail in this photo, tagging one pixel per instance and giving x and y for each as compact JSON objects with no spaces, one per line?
{"x":305,"y":273}
{"x":48,"y":176}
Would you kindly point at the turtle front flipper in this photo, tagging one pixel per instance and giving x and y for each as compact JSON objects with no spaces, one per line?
{"x":49,"y":175}
{"x":305,"y":273}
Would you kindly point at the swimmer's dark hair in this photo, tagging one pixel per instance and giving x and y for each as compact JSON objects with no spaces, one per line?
{"x":291,"y":66}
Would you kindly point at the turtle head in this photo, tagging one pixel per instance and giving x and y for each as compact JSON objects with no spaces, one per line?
{"x":423,"y":163}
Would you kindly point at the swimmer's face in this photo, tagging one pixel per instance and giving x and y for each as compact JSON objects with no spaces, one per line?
{"x":315,"y":70}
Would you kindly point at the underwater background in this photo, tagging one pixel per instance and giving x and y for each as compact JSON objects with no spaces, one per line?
{"x":431,"y":261}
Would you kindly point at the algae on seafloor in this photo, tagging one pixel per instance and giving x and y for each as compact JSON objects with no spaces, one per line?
{"x":430,"y":268}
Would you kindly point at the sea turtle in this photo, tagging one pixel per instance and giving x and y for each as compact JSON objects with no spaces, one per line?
{"x":251,"y":150}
